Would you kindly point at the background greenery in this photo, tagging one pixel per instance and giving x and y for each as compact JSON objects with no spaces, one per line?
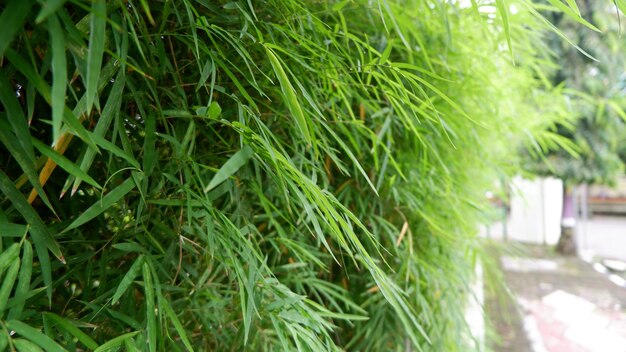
{"x":594,"y":86}
{"x":257,"y":175}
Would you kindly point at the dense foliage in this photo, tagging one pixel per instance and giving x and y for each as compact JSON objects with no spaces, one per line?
{"x":255,"y":175}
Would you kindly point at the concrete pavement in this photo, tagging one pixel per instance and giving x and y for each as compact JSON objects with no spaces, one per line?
{"x":562,"y":305}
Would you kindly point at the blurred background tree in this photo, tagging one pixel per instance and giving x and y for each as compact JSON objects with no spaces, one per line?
{"x":593,"y":79}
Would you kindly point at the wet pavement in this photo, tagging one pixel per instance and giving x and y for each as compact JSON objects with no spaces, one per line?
{"x":560,"y":304}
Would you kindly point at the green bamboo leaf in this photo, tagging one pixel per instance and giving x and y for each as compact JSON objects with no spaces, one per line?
{"x":12,"y":230}
{"x":503,"y":11}
{"x":19,"y":144}
{"x":26,"y":346}
{"x":103,"y":204}
{"x":149,"y":145}
{"x":115,"y":343}
{"x":385,"y":55}
{"x":37,"y":227}
{"x":35,"y":336}
{"x":165,"y":305}
{"x":146,"y":9}
{"x":23,"y":280}
{"x":151,"y":328}
{"x":72,"y":330}
{"x":39,"y":232}
{"x":65,"y":163}
{"x":558,"y":32}
{"x":110,"y":110}
{"x":4,"y":340}
{"x":115,"y":150}
{"x":59,"y":75}
{"x":96,"y":50}
{"x":42,"y":87}
{"x":8,"y":256}
{"x":12,"y":20}
{"x":572,"y":12}
{"x":48,"y":8}
{"x":128,"y":279}
{"x":230,"y":167}
{"x":289,"y":94}
{"x":7,"y":285}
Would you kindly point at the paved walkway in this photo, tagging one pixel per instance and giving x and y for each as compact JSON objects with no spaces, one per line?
{"x":562,"y":305}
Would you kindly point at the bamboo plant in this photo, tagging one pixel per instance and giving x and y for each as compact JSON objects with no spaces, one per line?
{"x":256,"y":175}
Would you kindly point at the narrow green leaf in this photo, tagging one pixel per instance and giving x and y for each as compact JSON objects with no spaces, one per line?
{"x":42,"y":87}
{"x":73,"y":330}
{"x":59,"y":75}
{"x":7,"y":285}
{"x":48,"y":8}
{"x":230,"y":167}
{"x":115,"y":343}
{"x":12,"y":20}
{"x":146,"y":9}
{"x":65,"y":163}
{"x":165,"y":305}
{"x":23,"y":280}
{"x":35,"y":336}
{"x":8,"y":256}
{"x":115,"y":150}
{"x":103,"y":204}
{"x":19,"y":144}
{"x":503,"y":11}
{"x":127,"y":280}
{"x":573,"y":13}
{"x":26,"y":346}
{"x":385,"y":55}
{"x":40,"y":234}
{"x":8,"y":229}
{"x":151,"y":328}
{"x":96,"y":50}
{"x":110,"y":110}
{"x":289,"y":94}
{"x":149,"y":145}
{"x":4,"y":340}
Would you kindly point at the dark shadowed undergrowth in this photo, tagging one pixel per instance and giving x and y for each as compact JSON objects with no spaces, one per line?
{"x":256,"y":175}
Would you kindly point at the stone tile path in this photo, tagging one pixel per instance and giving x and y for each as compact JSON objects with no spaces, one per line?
{"x":563,"y":305}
